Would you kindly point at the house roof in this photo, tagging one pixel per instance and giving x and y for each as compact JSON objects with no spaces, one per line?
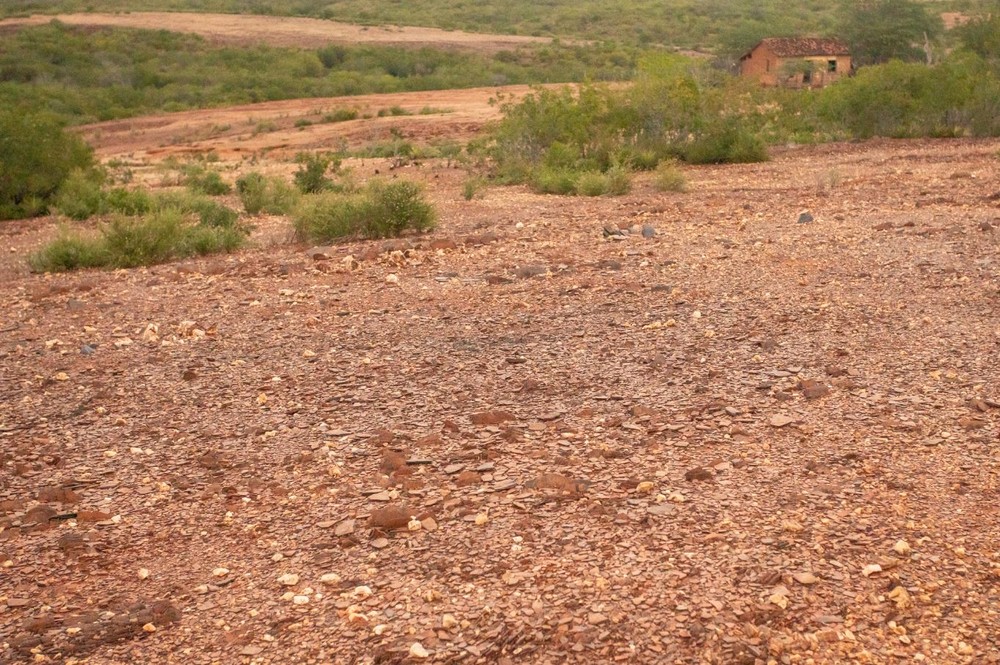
{"x":798,"y":47}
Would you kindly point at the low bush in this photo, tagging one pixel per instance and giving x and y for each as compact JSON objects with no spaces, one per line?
{"x":619,"y":181}
{"x":341,"y":115}
{"x":725,"y":143}
{"x":311,"y":176}
{"x":591,"y":183}
{"x":127,"y":242}
{"x":471,"y":187}
{"x":260,"y":193}
{"x":206,"y":181}
{"x":381,"y":210}
{"x":127,"y":201}
{"x":82,"y":197}
{"x":547,"y":180}
{"x":70,"y":251}
{"x":669,"y":177}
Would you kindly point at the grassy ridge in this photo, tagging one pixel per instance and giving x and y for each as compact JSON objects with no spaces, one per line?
{"x":88,"y":75}
{"x":702,"y":24}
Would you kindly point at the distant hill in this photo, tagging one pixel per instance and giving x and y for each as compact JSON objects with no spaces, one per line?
{"x":722,"y":26}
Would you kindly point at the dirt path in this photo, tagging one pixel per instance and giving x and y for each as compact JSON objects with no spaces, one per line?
{"x":516,"y":439}
{"x":244,"y":29}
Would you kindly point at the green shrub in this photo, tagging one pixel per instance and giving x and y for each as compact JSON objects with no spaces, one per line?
{"x":260,"y":193}
{"x":725,"y":143}
{"x":310,"y":177}
{"x":592,"y":183}
{"x":341,"y":115}
{"x":554,"y":181}
{"x":70,"y":251}
{"x":642,"y":160}
{"x":669,"y":177}
{"x":960,"y":95}
{"x":213,"y":214}
{"x":382,"y":210}
{"x":203,"y":181}
{"x":36,"y":158}
{"x":393,"y":111}
{"x":127,"y":201}
{"x":619,"y":181}
{"x":471,"y":187}
{"x":132,"y":242}
{"x":80,"y":195}
{"x":128,"y":242}
{"x":210,"y":213}
{"x":330,"y":216}
{"x":396,"y":207}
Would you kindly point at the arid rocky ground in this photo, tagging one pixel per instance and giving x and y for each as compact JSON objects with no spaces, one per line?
{"x":518,"y":439}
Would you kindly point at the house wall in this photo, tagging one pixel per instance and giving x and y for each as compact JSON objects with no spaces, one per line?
{"x":763,"y":65}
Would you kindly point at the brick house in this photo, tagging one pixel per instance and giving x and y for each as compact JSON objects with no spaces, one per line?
{"x":797,"y":62}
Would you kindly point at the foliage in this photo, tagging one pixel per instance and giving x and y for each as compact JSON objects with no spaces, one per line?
{"x":311,"y":176}
{"x":981,"y":35}
{"x":206,"y":181}
{"x":560,"y":141}
{"x":79,"y":196}
{"x":683,"y":23}
{"x":471,"y":187}
{"x":669,"y":177}
{"x":881,"y":30}
{"x":959,"y":96}
{"x":379,"y":211}
{"x":341,"y":115}
{"x":128,"y":242}
{"x":271,"y":195}
{"x":36,"y":156}
{"x":725,"y":143}
{"x":87,"y":75}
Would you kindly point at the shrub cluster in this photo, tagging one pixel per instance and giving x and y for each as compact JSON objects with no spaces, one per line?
{"x":260,"y":193}
{"x":88,"y":75}
{"x":381,"y":210}
{"x":560,"y":141}
{"x":127,"y":242}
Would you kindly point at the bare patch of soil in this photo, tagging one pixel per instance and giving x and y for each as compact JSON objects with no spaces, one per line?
{"x":743,"y":439}
{"x":286,"y":127}
{"x":246,"y":29}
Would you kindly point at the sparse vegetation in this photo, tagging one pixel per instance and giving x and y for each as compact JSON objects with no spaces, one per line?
{"x":472,"y":186}
{"x":311,"y":176}
{"x":393,"y":111}
{"x":87,"y":75}
{"x":206,"y":181}
{"x":669,"y":177}
{"x":341,"y":115}
{"x":260,"y":193}
{"x":646,"y":22}
{"x":128,"y":242}
{"x":381,"y":210}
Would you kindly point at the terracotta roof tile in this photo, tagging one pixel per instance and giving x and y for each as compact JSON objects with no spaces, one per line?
{"x":792,"y":47}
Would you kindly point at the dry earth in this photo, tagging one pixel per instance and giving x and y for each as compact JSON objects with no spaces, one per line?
{"x":518,"y":439}
{"x":245,"y":29}
{"x":270,"y":127}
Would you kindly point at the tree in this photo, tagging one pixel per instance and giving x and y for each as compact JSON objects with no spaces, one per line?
{"x":36,"y":157}
{"x":882,"y":30}
{"x":981,"y":35}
